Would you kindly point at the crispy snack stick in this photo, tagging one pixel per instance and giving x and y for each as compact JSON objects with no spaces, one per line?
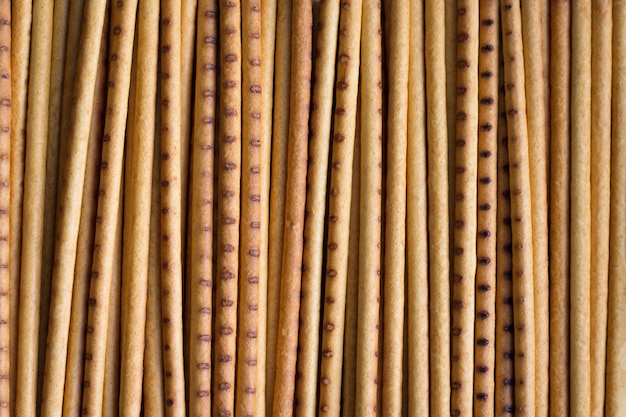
{"x":33,"y":208}
{"x":486,"y":224}
{"x":601,"y":56}
{"x":521,"y":215}
{"x":137,"y":225}
{"x":73,"y":389}
{"x":317,"y":180}
{"x":438,"y":221}
{"x":559,"y":207}
{"x":21,"y":18}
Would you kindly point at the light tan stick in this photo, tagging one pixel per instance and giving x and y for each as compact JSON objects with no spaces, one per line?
{"x":280,"y":128}
{"x":395,"y":221}
{"x":153,"y":393}
{"x":201,"y":207}
{"x":559,"y":208}
{"x":532,"y":29}
{"x":297,"y":154}
{"x":268,"y":36}
{"x":602,"y":22}
{"x":370,"y":210}
{"x":333,"y":323}
{"x":171,"y":210}
{"x":73,"y":389}
{"x":438,"y":226}
{"x":505,"y":344}
{"x":486,"y":222}
{"x":33,"y":214}
{"x":5,"y":195}
{"x":521,"y":215}
{"x":317,"y":177}
{"x":580,"y":221}
{"x":21,"y":18}
{"x":229,"y":168}
{"x":616,"y":365}
{"x":449,"y":29}
{"x":465,"y":205}
{"x":121,"y":38}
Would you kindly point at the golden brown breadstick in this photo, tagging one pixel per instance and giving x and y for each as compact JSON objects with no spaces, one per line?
{"x":297,"y":154}
{"x":341,"y":164}
{"x":137,"y":227}
{"x":21,"y":18}
{"x":600,"y":194}
{"x":580,"y":210}
{"x":465,"y":205}
{"x":505,"y":344}
{"x":278,"y":177}
{"x":73,"y":389}
{"x":449,"y":29}
{"x":395,"y":220}
{"x":5,"y":180}
{"x":487,"y":194}
{"x":438,"y":227}
{"x":616,"y":366}
{"x":201,"y":207}
{"x":559,"y":207}
{"x":33,"y":213}
{"x":317,"y":177}
{"x":521,"y":215}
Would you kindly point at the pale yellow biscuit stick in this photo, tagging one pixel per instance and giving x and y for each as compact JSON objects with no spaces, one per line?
{"x":521,"y":214}
{"x":487,"y":194}
{"x":616,"y":365}
{"x":33,"y":212}
{"x":341,"y":165}
{"x":560,"y":16}
{"x":601,"y":56}
{"x":5,"y":181}
{"x":278,"y":176}
{"x":580,"y":211}
{"x":417,"y":221}
{"x":73,"y":389}
{"x":438,"y":220}
{"x":201,"y":209}
{"x":317,"y":180}
{"x":21,"y":18}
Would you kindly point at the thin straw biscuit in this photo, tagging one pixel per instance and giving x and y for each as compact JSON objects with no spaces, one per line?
{"x":486,"y":223}
{"x":297,"y":154}
{"x":505,"y":344}
{"x":21,"y":18}
{"x":580,"y":221}
{"x":521,"y":215}
{"x":278,"y":176}
{"x":417,"y":221}
{"x":601,"y":56}
{"x":438,"y":226}
{"x":449,"y":31}
{"x":73,"y":389}
{"x":137,"y":225}
{"x":201,"y":207}
{"x":559,"y":207}
{"x":616,"y":365}
{"x":5,"y":179}
{"x":33,"y":203}
{"x":317,"y":180}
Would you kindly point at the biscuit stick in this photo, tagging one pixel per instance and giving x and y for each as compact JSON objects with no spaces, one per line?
{"x":487,"y":194}
{"x":521,"y":215}
{"x":438,"y":228}
{"x":21,"y":18}
{"x":33,"y":203}
{"x":317,"y":177}
{"x":135,"y":273}
{"x":600,"y":194}
{"x":417,"y":221}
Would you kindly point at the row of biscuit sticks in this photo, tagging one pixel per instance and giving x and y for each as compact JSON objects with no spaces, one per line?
{"x":340,"y":207}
